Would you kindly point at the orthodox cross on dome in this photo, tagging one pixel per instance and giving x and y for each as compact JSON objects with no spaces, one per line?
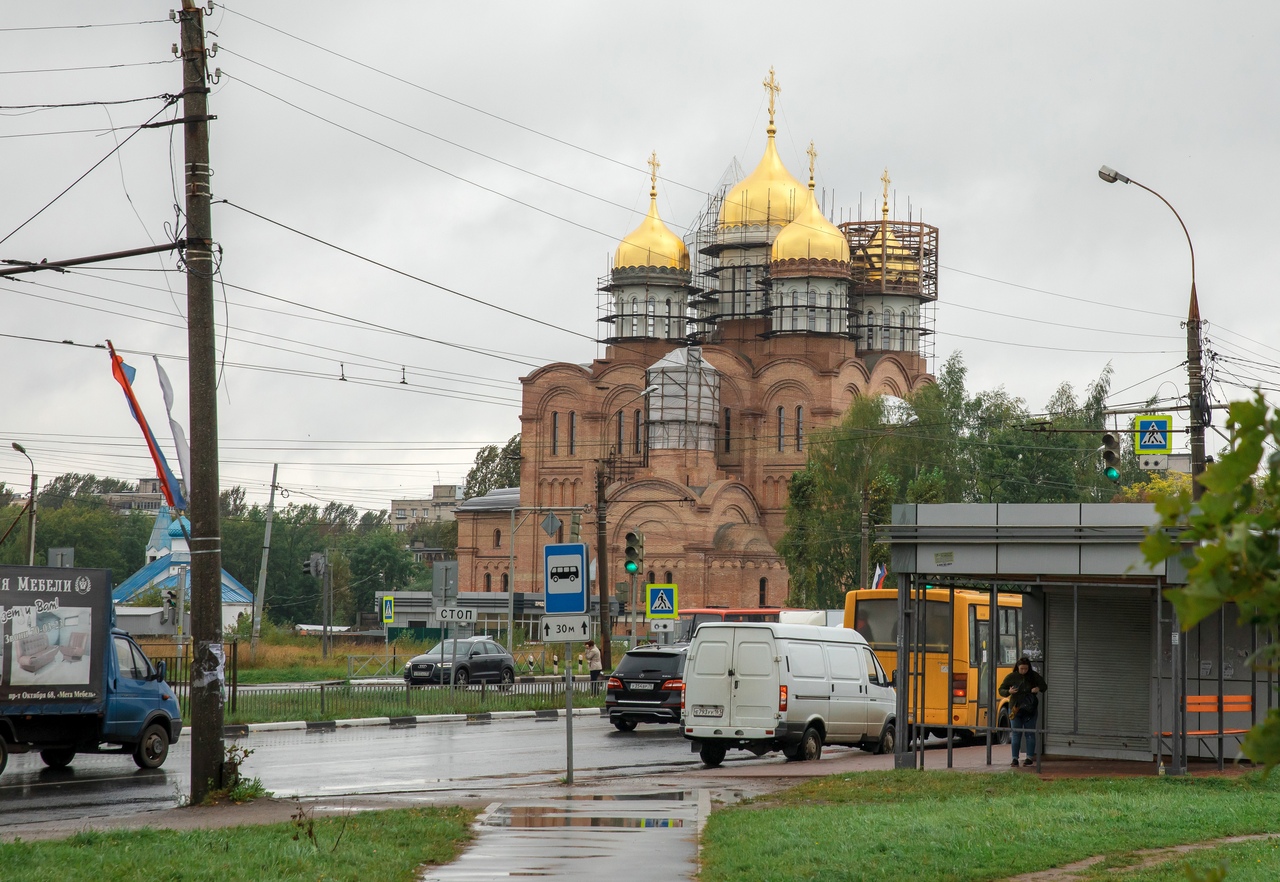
{"x":654,"y":165}
{"x":774,"y":88}
{"x":813,"y":158}
{"x":885,"y":178}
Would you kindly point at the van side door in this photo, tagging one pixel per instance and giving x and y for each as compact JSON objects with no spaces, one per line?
{"x":809,"y":693}
{"x":848,"y":692}
{"x":131,"y":690}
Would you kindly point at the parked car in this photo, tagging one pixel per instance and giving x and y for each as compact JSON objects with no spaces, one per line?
{"x":469,"y":660}
{"x":646,"y":686}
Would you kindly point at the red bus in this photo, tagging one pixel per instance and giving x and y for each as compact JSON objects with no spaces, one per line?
{"x":690,"y":619}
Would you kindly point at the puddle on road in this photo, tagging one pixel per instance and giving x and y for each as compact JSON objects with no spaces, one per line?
{"x":544,"y":815}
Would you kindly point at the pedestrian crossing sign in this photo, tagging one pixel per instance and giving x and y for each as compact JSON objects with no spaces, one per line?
{"x":660,"y":602}
{"x":1152,"y":434}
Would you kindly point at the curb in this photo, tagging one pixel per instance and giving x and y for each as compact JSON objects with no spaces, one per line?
{"x":243,"y":730}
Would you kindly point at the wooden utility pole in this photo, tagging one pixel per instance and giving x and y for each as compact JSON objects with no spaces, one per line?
{"x":603,"y":475}
{"x":262,"y":573}
{"x":207,"y":668}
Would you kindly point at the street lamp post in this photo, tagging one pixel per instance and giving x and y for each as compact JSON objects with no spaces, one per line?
{"x":1195,"y":372}
{"x":31,"y":509}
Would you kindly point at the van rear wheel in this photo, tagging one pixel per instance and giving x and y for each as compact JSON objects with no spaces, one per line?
{"x":4,"y":755}
{"x":712,"y":754}
{"x":810,"y":747}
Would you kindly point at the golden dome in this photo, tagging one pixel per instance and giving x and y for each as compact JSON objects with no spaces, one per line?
{"x":767,"y":196}
{"x":652,"y":244}
{"x":810,"y":236}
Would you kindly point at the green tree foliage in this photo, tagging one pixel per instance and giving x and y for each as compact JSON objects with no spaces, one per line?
{"x":494,"y":468}
{"x":377,"y":561}
{"x":1230,"y":544}
{"x":942,"y":445}
{"x":101,"y":538}
{"x":64,"y":488}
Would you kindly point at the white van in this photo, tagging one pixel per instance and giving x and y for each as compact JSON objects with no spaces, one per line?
{"x":765,"y":686}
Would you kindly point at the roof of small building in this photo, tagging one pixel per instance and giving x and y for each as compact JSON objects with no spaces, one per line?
{"x":500,"y":499}
{"x":157,"y":574}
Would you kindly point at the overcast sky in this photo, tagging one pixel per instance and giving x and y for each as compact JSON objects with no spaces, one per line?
{"x":497,"y":151}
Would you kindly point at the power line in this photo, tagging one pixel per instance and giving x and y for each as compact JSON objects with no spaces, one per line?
{"x":89,"y":67}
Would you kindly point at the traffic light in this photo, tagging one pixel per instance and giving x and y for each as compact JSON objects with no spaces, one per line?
{"x":575,"y":526}
{"x":634,"y":552}
{"x":314,"y":566}
{"x":1111,"y":456}
{"x":171,"y":599}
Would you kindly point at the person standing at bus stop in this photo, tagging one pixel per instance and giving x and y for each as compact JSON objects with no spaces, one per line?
{"x":1023,"y":687}
{"x":594,"y":664}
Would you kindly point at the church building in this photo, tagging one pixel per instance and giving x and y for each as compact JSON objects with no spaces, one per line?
{"x":722,"y":355}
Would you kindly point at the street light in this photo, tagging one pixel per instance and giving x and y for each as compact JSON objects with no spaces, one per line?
{"x":1195,"y":373}
{"x":31,"y":509}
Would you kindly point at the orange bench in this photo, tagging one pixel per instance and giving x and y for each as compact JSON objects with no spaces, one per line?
{"x":1209,"y":704}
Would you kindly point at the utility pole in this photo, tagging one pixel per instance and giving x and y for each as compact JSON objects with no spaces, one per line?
{"x":602,"y":568}
{"x":1195,"y":386}
{"x":207,"y":747}
{"x":262,"y":572}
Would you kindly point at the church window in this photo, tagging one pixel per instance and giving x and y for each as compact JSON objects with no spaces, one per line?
{"x":555,"y":433}
{"x":782,"y":427}
{"x":728,"y":431}
{"x":799,"y":427}
{"x":573,"y":432}
{"x":764,"y":592}
{"x":886,"y":339}
{"x":871,"y":329}
{"x":649,"y":312}
{"x":635,"y":317}
{"x":488,"y":581}
{"x":506,"y":581}
{"x":637,"y":420}
{"x":668,"y":577}
{"x":812,"y":323}
{"x":497,"y":538}
{"x":902,"y":333}
{"x":650,"y":577}
{"x":560,"y":534}
{"x":622,"y":416}
{"x":667,"y":332}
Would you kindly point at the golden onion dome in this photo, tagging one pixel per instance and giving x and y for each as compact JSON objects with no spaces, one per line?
{"x":767,"y":196}
{"x":652,"y":244}
{"x":810,"y":236}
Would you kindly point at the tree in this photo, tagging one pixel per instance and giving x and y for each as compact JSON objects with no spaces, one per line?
{"x":494,"y":469}
{"x":1229,"y":542}
{"x":73,"y":485}
{"x":231,"y":502}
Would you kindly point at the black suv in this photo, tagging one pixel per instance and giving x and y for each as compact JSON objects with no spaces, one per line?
{"x":474,"y":659}
{"x":647,"y":686}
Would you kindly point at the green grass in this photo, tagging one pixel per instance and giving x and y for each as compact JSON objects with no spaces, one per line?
{"x":949,"y":826}
{"x":1244,"y":862}
{"x":385,"y":845}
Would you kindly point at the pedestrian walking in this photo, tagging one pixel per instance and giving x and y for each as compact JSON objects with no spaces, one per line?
{"x":1023,"y":687}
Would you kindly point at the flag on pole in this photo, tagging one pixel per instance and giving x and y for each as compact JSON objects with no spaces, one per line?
{"x":179,"y":436}
{"x":878,"y":580}
{"x":168,"y":483}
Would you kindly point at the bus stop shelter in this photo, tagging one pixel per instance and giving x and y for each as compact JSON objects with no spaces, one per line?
{"x":1124,"y":681}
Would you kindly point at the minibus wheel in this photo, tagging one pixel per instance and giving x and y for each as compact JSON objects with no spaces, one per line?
{"x":712,"y":754}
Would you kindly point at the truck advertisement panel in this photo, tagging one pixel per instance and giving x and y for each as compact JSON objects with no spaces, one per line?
{"x":55,"y":624}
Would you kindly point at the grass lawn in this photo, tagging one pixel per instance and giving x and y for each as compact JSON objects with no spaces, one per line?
{"x":938,"y":825}
{"x":384,"y":845}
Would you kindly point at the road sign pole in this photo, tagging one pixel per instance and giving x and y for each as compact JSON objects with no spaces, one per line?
{"x":568,"y":711}
{"x":631,"y":603}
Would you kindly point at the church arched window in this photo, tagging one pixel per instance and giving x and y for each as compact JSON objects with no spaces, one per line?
{"x":871,"y":329}
{"x":902,"y":333}
{"x":649,"y":313}
{"x":728,"y":431}
{"x":667,"y":332}
{"x":799,"y":427}
{"x":886,"y":339}
{"x":497,"y":538}
{"x":635,"y":317}
{"x":764,"y":591}
{"x":812,"y":317}
{"x":782,"y":427}
{"x":573,"y":432}
{"x":488,"y":581}
{"x":637,"y":420}
{"x":622,"y":416}
{"x":506,"y":581}
{"x":555,"y":433}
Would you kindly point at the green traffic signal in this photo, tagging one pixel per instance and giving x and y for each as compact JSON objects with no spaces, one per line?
{"x":1112,"y":474}
{"x":634,"y":552}
{"x":1111,"y":456}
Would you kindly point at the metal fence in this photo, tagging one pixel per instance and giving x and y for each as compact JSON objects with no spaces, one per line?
{"x":340,"y":701}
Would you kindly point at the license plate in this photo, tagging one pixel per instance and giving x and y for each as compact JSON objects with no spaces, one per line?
{"x":708,"y":710}
{"x":642,"y":687}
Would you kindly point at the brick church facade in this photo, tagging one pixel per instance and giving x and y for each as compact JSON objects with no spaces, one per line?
{"x":722,"y":355}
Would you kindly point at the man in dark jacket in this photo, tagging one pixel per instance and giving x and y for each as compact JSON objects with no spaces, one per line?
{"x":1023,"y":687}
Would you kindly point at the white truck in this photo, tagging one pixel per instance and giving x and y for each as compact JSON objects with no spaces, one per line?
{"x":765,"y":686}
